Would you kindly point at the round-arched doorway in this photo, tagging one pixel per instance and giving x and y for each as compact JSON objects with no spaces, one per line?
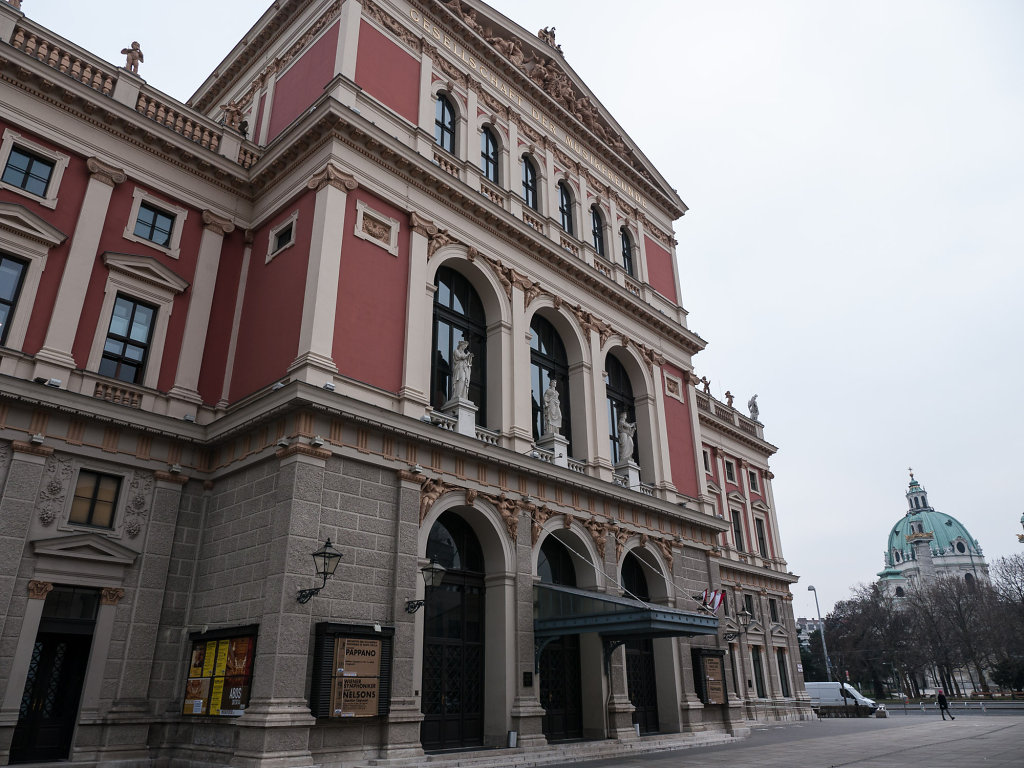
{"x":560,"y":678}
{"x":640,"y":675}
{"x":453,"y":640}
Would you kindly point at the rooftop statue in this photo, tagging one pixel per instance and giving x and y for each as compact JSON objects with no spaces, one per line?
{"x":752,"y":407}
{"x":133,"y":57}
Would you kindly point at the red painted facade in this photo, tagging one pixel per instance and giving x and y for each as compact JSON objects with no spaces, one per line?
{"x":680,"y":441}
{"x":303,"y":82}
{"x":369,"y":326}
{"x":660,"y":269}
{"x":268,"y":334}
{"x":63,"y":217}
{"x":222,"y":313}
{"x":387,"y":72}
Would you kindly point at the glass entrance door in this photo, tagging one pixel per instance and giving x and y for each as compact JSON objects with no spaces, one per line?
{"x":642,"y":685}
{"x":49,"y":706}
{"x":560,"y":689}
{"x":453,"y":662}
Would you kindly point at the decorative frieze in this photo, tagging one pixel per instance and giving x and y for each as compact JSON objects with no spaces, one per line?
{"x":56,"y":482}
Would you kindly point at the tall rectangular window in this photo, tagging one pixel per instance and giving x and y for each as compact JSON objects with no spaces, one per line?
{"x":752,"y":477}
{"x":154,"y":225}
{"x":762,"y":541}
{"x":773,"y":608}
{"x":95,"y":499}
{"x":707,"y":462}
{"x":755,"y":654}
{"x":12,"y":275}
{"x":737,"y":529}
{"x":127,"y":343}
{"x":730,"y":472}
{"x":783,"y":672}
{"x":748,"y":604}
{"x":27,"y":171}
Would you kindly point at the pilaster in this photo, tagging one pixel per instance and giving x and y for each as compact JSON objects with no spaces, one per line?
{"x":315,"y":363}
{"x":415,"y":391}
{"x":13,"y":681}
{"x":55,"y":358}
{"x":243,"y":279}
{"x":197,"y":321}
{"x":274,"y":731}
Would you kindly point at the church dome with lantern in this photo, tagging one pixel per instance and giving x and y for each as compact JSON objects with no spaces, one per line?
{"x":926,"y":544}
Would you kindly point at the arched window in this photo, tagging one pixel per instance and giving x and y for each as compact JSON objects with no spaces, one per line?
{"x":458,"y":314}
{"x":565,"y":207}
{"x":444,"y":124}
{"x":529,"y":183}
{"x":548,"y":366}
{"x":634,"y":580}
{"x":489,"y":155}
{"x":597,"y":230}
{"x":554,"y":564}
{"x":620,"y":400}
{"x":899,"y":592}
{"x":627,"y":251}
{"x":969,"y":579}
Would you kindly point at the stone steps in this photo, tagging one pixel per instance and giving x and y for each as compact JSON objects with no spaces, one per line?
{"x":528,"y":757}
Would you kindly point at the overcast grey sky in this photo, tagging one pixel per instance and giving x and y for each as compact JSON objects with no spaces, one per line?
{"x":853,"y":249}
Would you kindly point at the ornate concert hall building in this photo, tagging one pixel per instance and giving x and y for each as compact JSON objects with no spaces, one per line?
{"x":348,"y":413}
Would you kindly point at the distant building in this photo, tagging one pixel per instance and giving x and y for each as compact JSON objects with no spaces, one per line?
{"x":926,"y":544}
{"x":805,"y":628}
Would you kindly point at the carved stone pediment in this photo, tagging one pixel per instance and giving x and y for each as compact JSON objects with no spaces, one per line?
{"x":713,"y":487}
{"x":19,"y":220}
{"x":760,"y":506}
{"x":737,"y":497}
{"x":147,"y":269}
{"x":88,"y":547}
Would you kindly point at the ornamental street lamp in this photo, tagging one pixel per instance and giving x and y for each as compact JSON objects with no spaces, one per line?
{"x":821,"y":626}
{"x":326,"y":560}
{"x":433,"y":575}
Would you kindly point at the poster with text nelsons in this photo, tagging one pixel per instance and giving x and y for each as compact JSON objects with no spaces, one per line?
{"x":355,"y":689}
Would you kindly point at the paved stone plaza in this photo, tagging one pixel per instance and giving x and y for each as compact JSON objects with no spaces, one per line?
{"x":901,"y":741}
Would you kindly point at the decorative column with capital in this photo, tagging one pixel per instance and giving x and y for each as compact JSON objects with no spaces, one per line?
{"x":315,"y":363}
{"x":197,"y":322}
{"x":415,"y":391}
{"x":55,"y":358}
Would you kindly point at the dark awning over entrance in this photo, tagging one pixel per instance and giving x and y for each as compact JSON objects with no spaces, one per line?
{"x":559,"y":610}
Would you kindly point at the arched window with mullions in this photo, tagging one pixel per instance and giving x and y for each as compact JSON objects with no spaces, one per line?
{"x":529,"y":183}
{"x":489,"y":155}
{"x":620,"y":399}
{"x":548,"y":365}
{"x":458,"y":314}
{"x":597,"y":230}
{"x":627,"y":251}
{"x":565,"y":207}
{"x":444,"y":124}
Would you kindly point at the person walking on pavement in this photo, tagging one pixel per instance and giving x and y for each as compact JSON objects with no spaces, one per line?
{"x":944,"y":706}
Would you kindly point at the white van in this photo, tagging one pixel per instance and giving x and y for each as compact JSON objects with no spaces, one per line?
{"x":838,"y":695}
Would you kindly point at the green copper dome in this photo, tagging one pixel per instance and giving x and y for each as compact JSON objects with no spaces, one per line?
{"x":946,"y":536}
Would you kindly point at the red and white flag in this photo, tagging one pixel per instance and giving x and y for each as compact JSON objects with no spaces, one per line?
{"x":710,"y":599}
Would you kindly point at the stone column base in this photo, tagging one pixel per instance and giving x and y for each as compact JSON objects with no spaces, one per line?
{"x":402,"y":730}
{"x":274,"y":733}
{"x":620,"y":718}
{"x":528,"y":722}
